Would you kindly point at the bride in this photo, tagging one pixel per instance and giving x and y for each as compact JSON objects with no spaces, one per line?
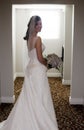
{"x":34,"y":108}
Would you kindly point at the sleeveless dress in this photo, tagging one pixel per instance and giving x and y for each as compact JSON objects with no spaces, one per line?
{"x":33,"y":109}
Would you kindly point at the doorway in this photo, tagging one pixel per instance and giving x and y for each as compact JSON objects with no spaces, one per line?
{"x":54,"y":43}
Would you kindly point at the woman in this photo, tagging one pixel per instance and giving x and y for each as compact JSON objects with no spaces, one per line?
{"x":34,"y":108}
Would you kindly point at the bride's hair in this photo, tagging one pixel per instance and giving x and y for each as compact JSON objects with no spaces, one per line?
{"x":31,"y":26}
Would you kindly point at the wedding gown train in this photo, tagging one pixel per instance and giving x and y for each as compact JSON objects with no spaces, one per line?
{"x":33,"y":109}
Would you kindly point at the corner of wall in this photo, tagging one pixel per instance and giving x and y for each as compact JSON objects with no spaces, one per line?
{"x":66,"y":82}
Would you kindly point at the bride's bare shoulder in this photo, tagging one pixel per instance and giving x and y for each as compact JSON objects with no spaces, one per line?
{"x":38,"y":40}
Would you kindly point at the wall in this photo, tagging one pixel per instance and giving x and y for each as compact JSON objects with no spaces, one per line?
{"x":6,"y":66}
{"x":77,"y":86}
{"x":21,"y":26}
{"x":77,"y":89}
{"x":67,"y":45}
{"x":14,"y":41}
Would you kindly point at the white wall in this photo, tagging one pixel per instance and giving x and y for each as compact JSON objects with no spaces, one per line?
{"x":67,"y":45}
{"x":14,"y":41}
{"x":20,"y":32}
{"x":7,"y":90}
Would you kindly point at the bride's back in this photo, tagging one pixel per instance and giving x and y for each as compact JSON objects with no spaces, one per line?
{"x":31,"y":43}
{"x":32,"y":50}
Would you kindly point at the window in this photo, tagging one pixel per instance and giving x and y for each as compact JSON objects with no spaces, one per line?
{"x":50,"y":23}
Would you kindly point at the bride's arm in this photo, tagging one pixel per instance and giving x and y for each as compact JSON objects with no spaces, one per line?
{"x":38,"y":46}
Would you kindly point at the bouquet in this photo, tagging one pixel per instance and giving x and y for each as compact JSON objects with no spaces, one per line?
{"x":54,"y":61}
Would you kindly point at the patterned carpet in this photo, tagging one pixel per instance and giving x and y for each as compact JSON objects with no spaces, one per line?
{"x":69,"y":117}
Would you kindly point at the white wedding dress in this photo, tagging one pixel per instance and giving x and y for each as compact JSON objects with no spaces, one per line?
{"x":33,"y":109}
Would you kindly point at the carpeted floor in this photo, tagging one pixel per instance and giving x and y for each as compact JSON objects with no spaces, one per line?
{"x":69,"y":117}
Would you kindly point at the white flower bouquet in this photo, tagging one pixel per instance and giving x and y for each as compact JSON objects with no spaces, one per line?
{"x":54,"y":61}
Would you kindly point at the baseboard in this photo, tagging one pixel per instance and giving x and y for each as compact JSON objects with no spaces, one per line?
{"x":18,"y":74}
{"x":49,"y":74}
{"x":76,"y":101}
{"x":7,"y":99}
{"x":66,"y":82}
